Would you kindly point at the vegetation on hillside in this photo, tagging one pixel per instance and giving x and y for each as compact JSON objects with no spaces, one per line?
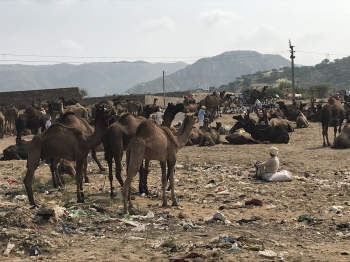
{"x":316,"y":80}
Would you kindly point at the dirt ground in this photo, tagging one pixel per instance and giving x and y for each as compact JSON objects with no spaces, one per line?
{"x":320,"y":189}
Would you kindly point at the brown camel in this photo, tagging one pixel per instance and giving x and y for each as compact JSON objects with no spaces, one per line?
{"x":196,"y":136}
{"x":334,"y":112}
{"x":154,"y":142}
{"x":79,"y":111}
{"x":64,"y":142}
{"x":301,"y":121}
{"x":135,"y":107}
{"x":2,"y":126}
{"x":212,"y":104}
{"x":11,"y":114}
{"x":211,"y":136}
{"x":69,"y":119}
{"x":117,"y":137}
{"x":343,"y":139}
{"x":115,"y":140}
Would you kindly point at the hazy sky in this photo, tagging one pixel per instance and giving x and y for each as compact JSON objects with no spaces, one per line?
{"x":164,"y":31}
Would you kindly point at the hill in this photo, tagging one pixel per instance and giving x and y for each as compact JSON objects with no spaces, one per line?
{"x":334,"y":74}
{"x":96,"y":78}
{"x":213,"y":71}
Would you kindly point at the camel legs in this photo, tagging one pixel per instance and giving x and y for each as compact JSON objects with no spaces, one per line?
{"x":325,"y":134}
{"x":86,"y":178}
{"x":143,"y":178}
{"x":93,"y":154}
{"x":164,"y":181}
{"x":79,"y":180}
{"x":34,"y":151}
{"x":134,"y":159}
{"x":171,"y":165}
{"x":54,"y":172}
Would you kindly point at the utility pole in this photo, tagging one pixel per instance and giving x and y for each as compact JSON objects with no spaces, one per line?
{"x":292,"y":58}
{"x":163,"y":90}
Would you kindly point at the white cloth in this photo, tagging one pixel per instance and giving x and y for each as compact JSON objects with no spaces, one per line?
{"x":258,"y":103}
{"x":200,"y":122}
{"x":281,"y":176}
{"x":48,"y":123}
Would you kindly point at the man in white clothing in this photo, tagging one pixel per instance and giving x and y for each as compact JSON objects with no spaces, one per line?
{"x":159,"y":117}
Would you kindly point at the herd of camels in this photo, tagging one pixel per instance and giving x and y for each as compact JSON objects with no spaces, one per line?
{"x":123,"y":126}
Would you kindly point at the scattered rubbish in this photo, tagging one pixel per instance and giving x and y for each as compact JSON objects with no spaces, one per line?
{"x":347,"y":203}
{"x":254,"y":201}
{"x":238,"y":204}
{"x":135,"y":238}
{"x":270,"y":206}
{"x":3,"y":187}
{"x":268,"y":253}
{"x":139,"y":228}
{"x":150,"y":214}
{"x":66,"y":228}
{"x":234,"y":246}
{"x":254,"y":218}
{"x":211,"y":181}
{"x":189,"y":256}
{"x":253,"y":247}
{"x":220,"y":189}
{"x":343,"y":225}
{"x":76,"y":213}
{"x":8,"y":249}
{"x":336,"y":209}
{"x":20,"y":197}
{"x":219,"y":216}
{"x":305,"y":217}
{"x":36,"y":250}
{"x":344,"y":253}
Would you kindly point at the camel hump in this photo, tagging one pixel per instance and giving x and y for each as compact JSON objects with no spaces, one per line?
{"x":65,"y":115}
{"x":125,"y":118}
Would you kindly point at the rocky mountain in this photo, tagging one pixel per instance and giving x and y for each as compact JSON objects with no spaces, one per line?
{"x":212,"y":72}
{"x":97,"y":79}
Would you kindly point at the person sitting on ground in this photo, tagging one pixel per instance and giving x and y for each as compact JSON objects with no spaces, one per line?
{"x":268,"y":170}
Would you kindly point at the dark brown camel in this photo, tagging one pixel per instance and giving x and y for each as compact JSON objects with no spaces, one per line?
{"x":69,"y":119}
{"x":334,"y":112}
{"x":154,"y":142}
{"x":64,"y":142}
{"x":30,"y":119}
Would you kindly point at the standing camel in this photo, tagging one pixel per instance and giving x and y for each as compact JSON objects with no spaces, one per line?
{"x":64,"y":142}
{"x":69,"y":119}
{"x":154,"y":142}
{"x":332,"y":111}
{"x":11,"y":114}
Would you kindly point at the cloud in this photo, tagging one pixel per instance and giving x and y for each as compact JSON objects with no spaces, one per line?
{"x":164,"y":23}
{"x":70,"y":46}
{"x":218,"y":16}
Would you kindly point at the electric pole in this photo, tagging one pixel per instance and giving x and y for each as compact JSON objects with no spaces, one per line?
{"x":292,"y":58}
{"x":163,"y":90}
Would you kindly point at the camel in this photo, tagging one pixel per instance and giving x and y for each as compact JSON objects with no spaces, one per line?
{"x":188,"y":100}
{"x":69,"y":119}
{"x":79,"y":110}
{"x":196,"y":136}
{"x":240,"y":139}
{"x":278,"y":121}
{"x":39,"y":105}
{"x":272,"y":134}
{"x":69,"y":102}
{"x":31,"y":119}
{"x":211,"y":103}
{"x":64,"y":142}
{"x":117,"y":138}
{"x":302,"y":121}
{"x":154,"y":142}
{"x":343,"y":139}
{"x":334,"y":112}
{"x":11,"y":114}
{"x":135,"y":107}
{"x":210,"y":137}
{"x":2,"y":126}
{"x":256,"y":94}
{"x":16,"y":152}
{"x":220,"y":129}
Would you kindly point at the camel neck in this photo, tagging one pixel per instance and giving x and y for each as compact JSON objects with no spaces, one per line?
{"x":182,"y":139}
{"x":96,"y":138}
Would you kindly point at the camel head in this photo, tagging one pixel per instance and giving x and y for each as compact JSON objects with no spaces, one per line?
{"x":236,"y":126}
{"x":101,"y":110}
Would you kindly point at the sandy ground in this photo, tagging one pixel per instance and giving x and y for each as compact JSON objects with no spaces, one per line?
{"x":321,"y":181}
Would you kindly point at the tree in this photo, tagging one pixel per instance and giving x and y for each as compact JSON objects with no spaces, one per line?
{"x":319,"y":90}
{"x":83,"y":92}
{"x":283,"y":84}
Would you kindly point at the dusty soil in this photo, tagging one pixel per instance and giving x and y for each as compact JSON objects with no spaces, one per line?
{"x":321,"y":180}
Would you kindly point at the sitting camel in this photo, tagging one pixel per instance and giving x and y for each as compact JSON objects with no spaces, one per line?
{"x":196,"y":136}
{"x":272,"y":134}
{"x":211,"y":136}
{"x":154,"y":142}
{"x":302,"y":121}
{"x":343,"y":139}
{"x":17,"y":151}
{"x":240,"y":139}
{"x":278,"y":121}
{"x":64,"y":142}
